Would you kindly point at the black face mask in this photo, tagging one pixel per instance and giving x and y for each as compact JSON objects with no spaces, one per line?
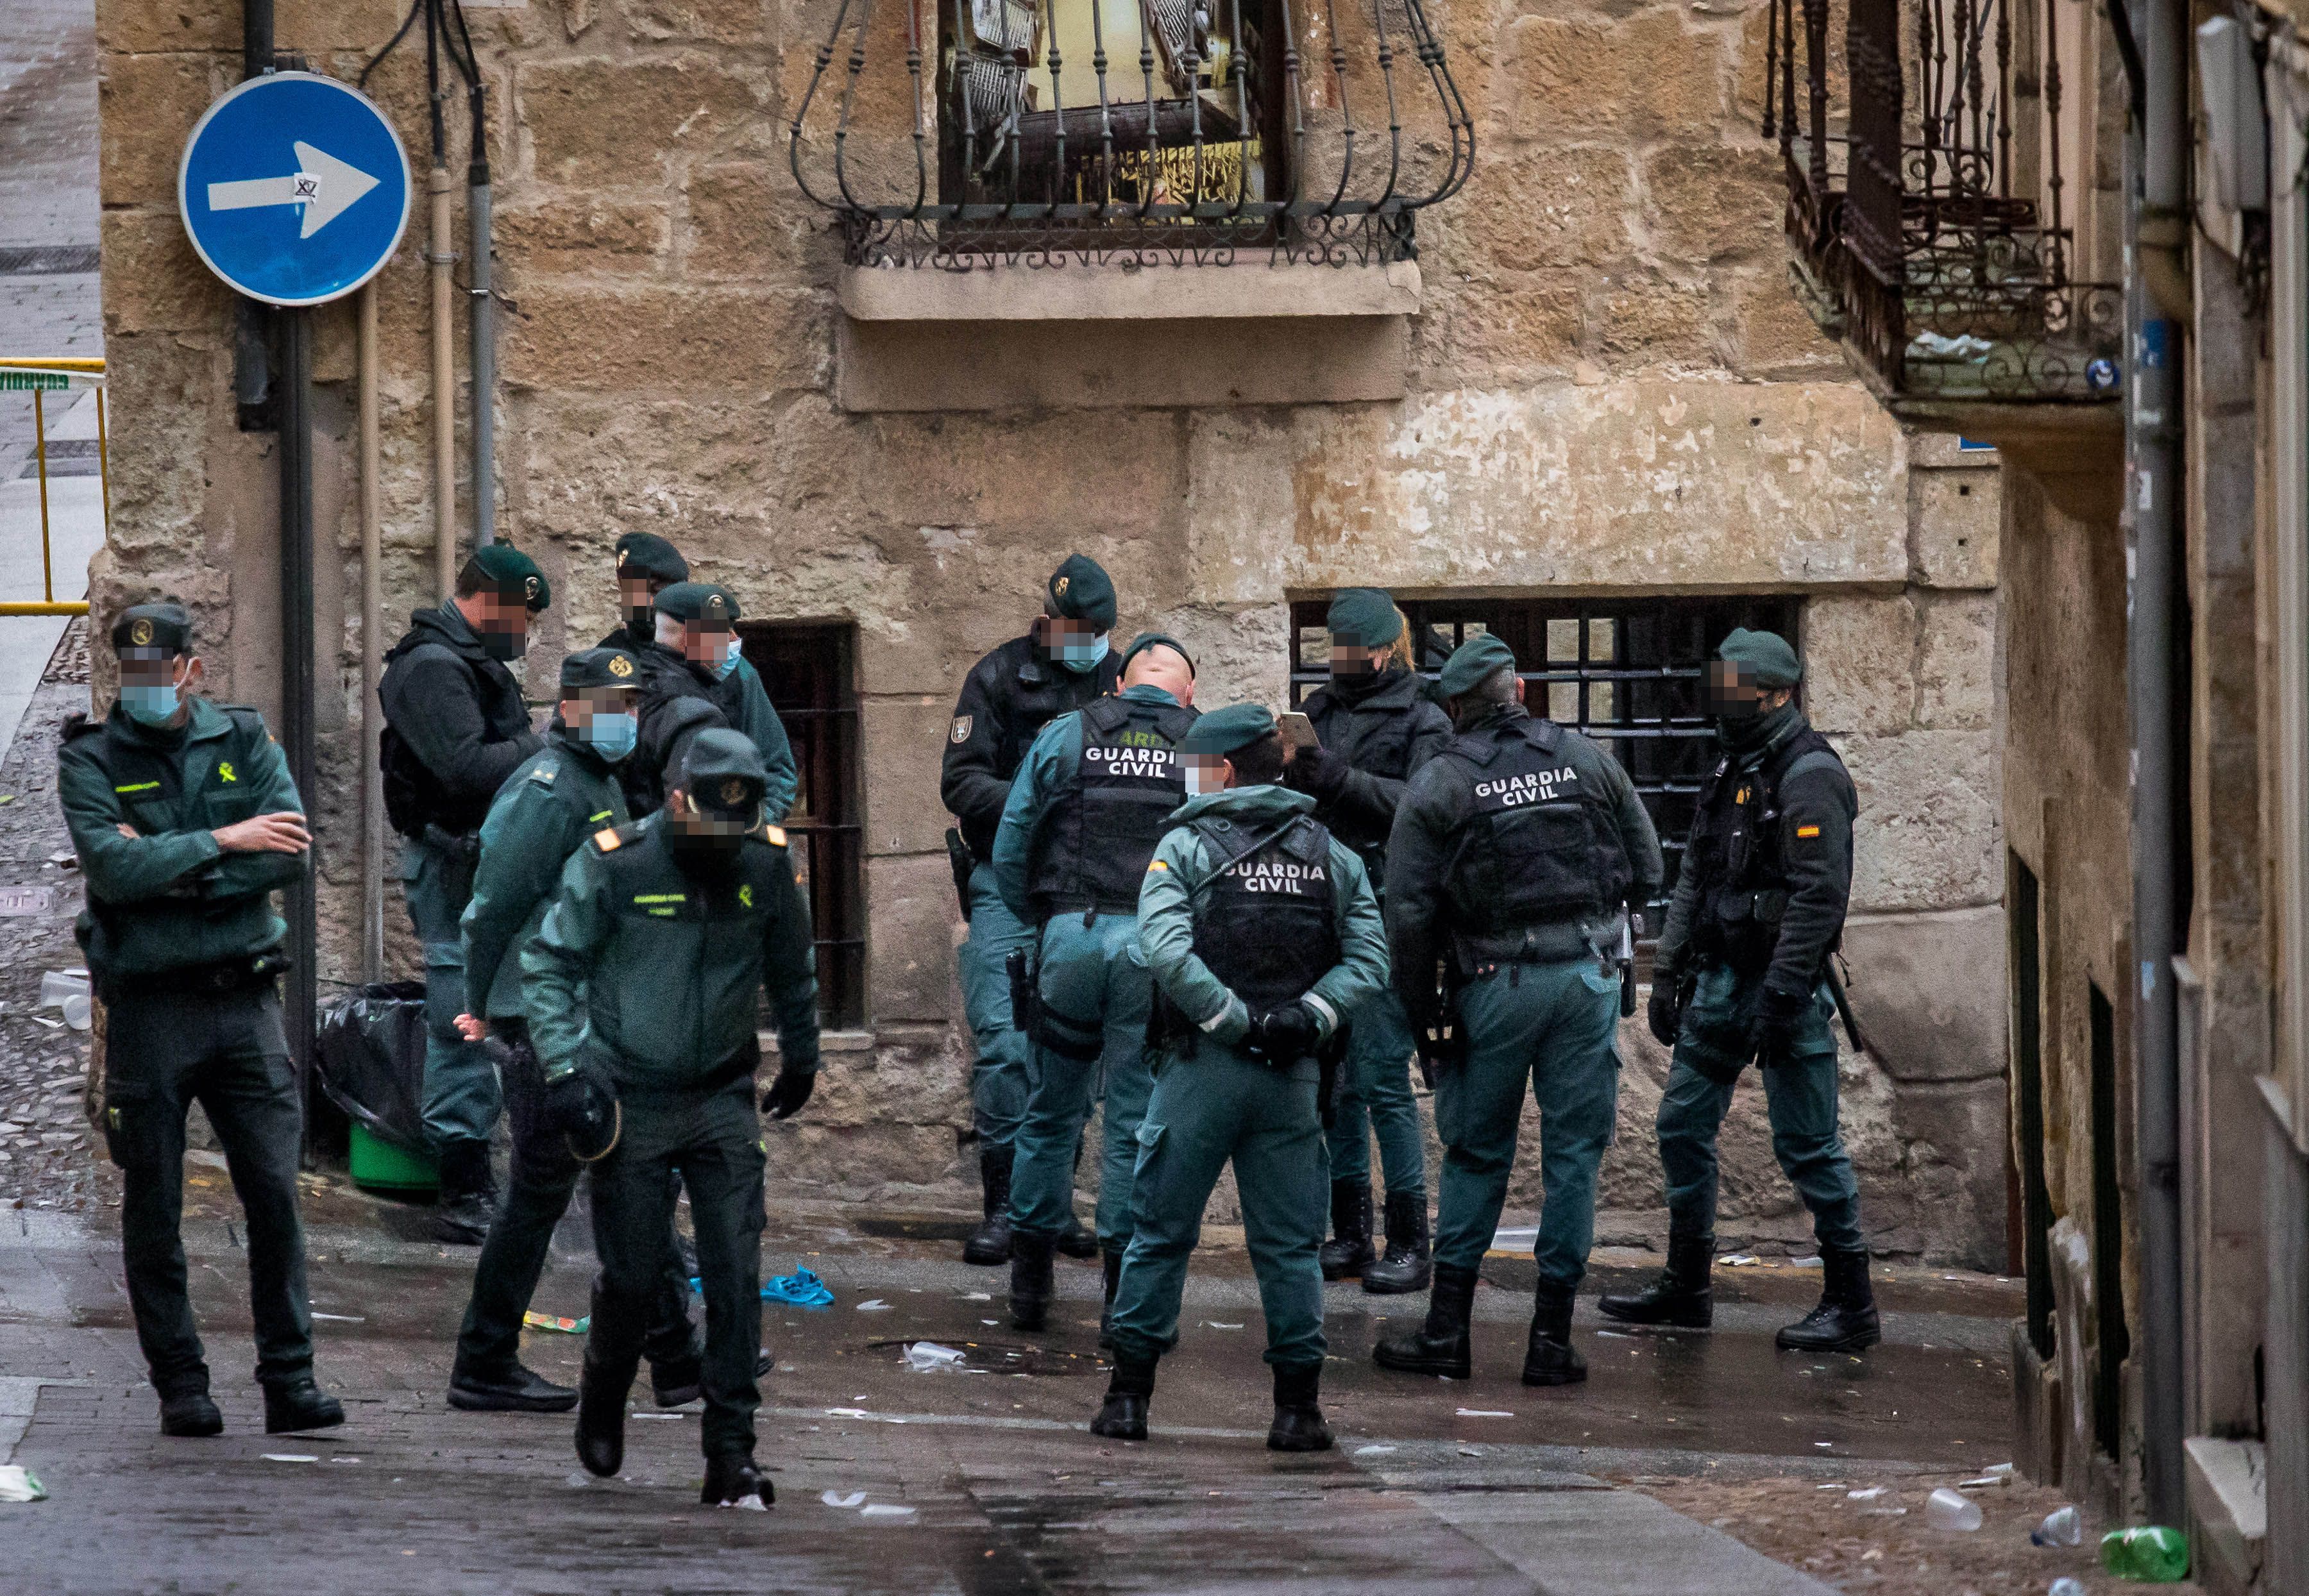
{"x":505,"y":646}
{"x":637,"y":615}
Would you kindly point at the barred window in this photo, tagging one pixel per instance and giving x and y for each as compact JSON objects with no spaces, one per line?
{"x":1628,"y":672}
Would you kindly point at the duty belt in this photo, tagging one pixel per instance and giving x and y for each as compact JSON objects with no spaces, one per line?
{"x":244,"y":973}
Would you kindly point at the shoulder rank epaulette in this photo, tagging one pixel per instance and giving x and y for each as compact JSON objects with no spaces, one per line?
{"x":543,"y":774}
{"x":608,"y":840}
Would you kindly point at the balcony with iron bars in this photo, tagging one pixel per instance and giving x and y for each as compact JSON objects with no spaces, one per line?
{"x":1931,"y":224}
{"x":1237,"y":179}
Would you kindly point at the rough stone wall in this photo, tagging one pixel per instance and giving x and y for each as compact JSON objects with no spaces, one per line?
{"x":1611,"y":390}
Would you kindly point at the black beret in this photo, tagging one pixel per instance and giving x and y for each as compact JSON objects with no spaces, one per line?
{"x":647,"y":554}
{"x":699,"y":601}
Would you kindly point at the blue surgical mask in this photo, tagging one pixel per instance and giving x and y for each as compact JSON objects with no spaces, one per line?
{"x":150,"y":705}
{"x":612,"y":736}
{"x":1081,"y":657}
{"x":729,"y":660}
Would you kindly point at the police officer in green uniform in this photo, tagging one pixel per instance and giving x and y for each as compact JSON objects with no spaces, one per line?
{"x":1514,"y":857}
{"x":566,"y":792}
{"x":695,"y":675}
{"x":647,"y":565}
{"x":456,"y":728}
{"x":185,"y":820}
{"x":1742,"y":973}
{"x":1376,"y":727}
{"x":640,"y":994}
{"x":1261,"y":932}
{"x":1063,"y":663}
{"x":1089,"y":804}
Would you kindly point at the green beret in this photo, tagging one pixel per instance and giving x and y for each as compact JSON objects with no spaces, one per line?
{"x":699,"y":601}
{"x":722,"y":772}
{"x":1365,"y":616}
{"x":1080,"y":591}
{"x":1223,"y":731}
{"x":1148,"y":639}
{"x":599,"y":667}
{"x":1474,"y":662}
{"x":509,"y":574}
{"x":152,"y":631}
{"x":1765,"y":655}
{"x":647,"y":554}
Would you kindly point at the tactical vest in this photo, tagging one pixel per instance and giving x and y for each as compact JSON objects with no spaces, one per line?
{"x":1539,"y":845}
{"x":1736,"y":845}
{"x":1092,"y":847}
{"x":414,"y":797}
{"x":1266,"y":920}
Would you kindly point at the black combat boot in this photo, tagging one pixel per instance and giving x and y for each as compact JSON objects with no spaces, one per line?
{"x":989,"y":1244}
{"x":1123,"y":1415}
{"x":1030,"y":1278}
{"x":1349,"y":1252}
{"x":1845,"y":1319}
{"x":1406,"y":1267}
{"x":1550,"y":1358}
{"x":1443,"y":1346}
{"x":731,"y":1480}
{"x":190,"y":1413}
{"x":1681,"y":1298}
{"x":468,"y":1199}
{"x":679,"y":1381}
{"x":602,"y":1417}
{"x":515,"y":1388}
{"x":298,"y":1404}
{"x":1106,"y":1314}
{"x":1298,"y":1424}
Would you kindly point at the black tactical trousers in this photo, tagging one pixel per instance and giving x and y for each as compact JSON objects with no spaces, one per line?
{"x":163,"y":1051}
{"x":545,"y":1175}
{"x":713,"y":1141}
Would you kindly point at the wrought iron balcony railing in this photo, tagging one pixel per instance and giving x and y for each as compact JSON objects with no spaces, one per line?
{"x":1928,"y":213}
{"x":956,"y":133}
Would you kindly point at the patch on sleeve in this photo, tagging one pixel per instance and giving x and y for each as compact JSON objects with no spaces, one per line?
{"x":1807,"y":830}
{"x":608,"y":840}
{"x":1155,"y":865}
{"x":961,"y":732}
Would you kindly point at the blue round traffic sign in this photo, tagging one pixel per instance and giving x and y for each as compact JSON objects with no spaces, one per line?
{"x":294,"y":188}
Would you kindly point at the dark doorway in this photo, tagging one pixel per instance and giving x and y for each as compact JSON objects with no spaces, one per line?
{"x":2031,"y":1247}
{"x":2108,"y":1236}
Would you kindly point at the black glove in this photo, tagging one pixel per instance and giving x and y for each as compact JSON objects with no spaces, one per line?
{"x":1777,"y":1015}
{"x":574,"y":1103}
{"x":1284,"y":1036}
{"x":1664,"y":1012}
{"x":789,"y":1093}
{"x":1318,"y":771}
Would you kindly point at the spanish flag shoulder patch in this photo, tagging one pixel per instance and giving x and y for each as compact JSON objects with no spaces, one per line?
{"x":1155,"y":865}
{"x":1807,"y":830}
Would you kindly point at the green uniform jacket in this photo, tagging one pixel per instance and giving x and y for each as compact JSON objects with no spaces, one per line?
{"x":1439,"y":801}
{"x":1166,"y":918}
{"x":543,"y":814}
{"x":168,"y":897}
{"x":1051,"y":765}
{"x":649,"y":972}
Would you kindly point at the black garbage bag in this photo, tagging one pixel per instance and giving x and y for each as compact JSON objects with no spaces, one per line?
{"x":371,"y":1056}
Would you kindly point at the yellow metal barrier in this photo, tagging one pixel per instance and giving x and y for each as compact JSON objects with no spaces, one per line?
{"x":49,"y":375}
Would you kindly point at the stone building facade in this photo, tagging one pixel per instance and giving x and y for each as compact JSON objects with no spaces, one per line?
{"x":1594,"y":385}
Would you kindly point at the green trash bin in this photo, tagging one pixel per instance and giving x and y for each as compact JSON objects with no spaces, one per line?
{"x":379,"y":1166}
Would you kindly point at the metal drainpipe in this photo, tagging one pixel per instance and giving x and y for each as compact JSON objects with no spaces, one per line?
{"x":372,"y":604}
{"x":2158,"y":305}
{"x":444,"y":390}
{"x":484,"y":332}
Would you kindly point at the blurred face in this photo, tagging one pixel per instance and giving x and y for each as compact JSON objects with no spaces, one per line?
{"x":588,"y":704}
{"x":502,"y":621}
{"x":709,"y":830}
{"x":636,"y":597}
{"x":706,"y":643}
{"x":1207,"y":773}
{"x":148,"y":668}
{"x":1734,"y":694}
{"x":1350,"y":659}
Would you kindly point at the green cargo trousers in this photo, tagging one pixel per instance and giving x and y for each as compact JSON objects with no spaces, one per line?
{"x":1550,"y":1027}
{"x":1095,"y":994}
{"x":1000,"y":1071}
{"x":462,"y":1100}
{"x":1205,"y":1110}
{"x":1711,"y":1048}
{"x":1373,"y":1097}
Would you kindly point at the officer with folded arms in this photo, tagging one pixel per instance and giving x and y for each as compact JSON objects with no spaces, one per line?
{"x":647,"y":565}
{"x":1514,"y":857}
{"x":1261,"y":932}
{"x":640,"y":990}
{"x":455,"y":727}
{"x":185,"y":820}
{"x":1062,"y":663}
{"x":695,"y":675}
{"x":1742,"y":973}
{"x":1082,"y":818}
{"x":1377,"y":728}
{"x":566,"y":792}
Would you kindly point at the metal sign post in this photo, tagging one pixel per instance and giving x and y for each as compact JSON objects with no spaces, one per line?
{"x":294,"y":190}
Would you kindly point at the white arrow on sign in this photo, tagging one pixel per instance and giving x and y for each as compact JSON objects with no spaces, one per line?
{"x":324,"y":186}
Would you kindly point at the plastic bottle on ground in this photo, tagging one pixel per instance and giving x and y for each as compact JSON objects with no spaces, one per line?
{"x":2150,"y":1553}
{"x":2061,"y":1527}
{"x":1952,"y":1510}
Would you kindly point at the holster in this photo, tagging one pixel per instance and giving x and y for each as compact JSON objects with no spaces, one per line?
{"x":1441,"y":1039}
{"x":1328,"y":1057}
{"x":1025,"y":995}
{"x":958,"y":860}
